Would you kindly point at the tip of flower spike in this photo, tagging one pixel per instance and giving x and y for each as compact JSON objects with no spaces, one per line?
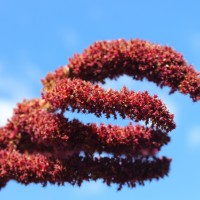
{"x":51,"y":78}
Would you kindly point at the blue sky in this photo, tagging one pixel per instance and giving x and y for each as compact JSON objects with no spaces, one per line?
{"x":38,"y":36}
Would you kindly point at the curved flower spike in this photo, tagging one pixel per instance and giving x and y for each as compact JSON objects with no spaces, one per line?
{"x":136,"y":58}
{"x":39,"y":144}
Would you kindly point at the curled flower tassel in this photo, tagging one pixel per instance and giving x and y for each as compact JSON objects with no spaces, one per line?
{"x":40,"y":145}
{"x":136,"y":58}
{"x":83,"y":96}
{"x":36,"y":168}
{"x":52,"y":133}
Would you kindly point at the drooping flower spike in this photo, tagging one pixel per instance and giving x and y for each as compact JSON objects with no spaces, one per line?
{"x":37,"y":168}
{"x":39,"y":144}
{"x":53,"y":133}
{"x":136,"y":58}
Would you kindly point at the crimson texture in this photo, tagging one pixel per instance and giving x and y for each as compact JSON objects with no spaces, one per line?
{"x":40,"y":145}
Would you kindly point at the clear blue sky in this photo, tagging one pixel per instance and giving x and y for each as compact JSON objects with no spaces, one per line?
{"x":39,"y":36}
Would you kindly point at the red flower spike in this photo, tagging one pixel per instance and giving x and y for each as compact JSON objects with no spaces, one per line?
{"x":40,"y":145}
{"x":139,"y":106}
{"x":137,"y":58}
{"x":47,"y":132}
{"x":36,"y":168}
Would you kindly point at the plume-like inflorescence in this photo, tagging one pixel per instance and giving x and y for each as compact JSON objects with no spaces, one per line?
{"x":40,"y":145}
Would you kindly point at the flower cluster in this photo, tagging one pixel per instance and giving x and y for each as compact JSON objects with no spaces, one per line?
{"x":136,"y":58}
{"x":36,"y":168}
{"x":40,"y":145}
{"x":83,"y":96}
{"x":53,"y":134}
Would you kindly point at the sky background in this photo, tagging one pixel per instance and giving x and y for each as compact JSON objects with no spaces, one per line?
{"x":38,"y":36}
